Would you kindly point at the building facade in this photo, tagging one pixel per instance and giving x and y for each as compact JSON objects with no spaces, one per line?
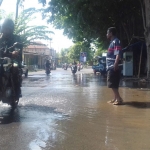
{"x":35,"y":55}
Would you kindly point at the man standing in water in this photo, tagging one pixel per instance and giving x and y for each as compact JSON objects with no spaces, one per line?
{"x":113,"y":70}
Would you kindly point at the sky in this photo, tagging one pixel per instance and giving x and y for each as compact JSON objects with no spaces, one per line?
{"x":58,"y":42}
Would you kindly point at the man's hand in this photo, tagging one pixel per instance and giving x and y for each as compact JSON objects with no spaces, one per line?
{"x":18,"y":45}
{"x":15,"y":44}
{"x":116,"y":62}
{"x":15,"y":53}
{"x":115,"y":66}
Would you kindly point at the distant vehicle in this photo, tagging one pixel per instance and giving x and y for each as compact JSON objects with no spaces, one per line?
{"x":47,"y":71}
{"x":101,"y":65}
{"x":65,"y":66}
{"x":53,"y":66}
{"x":24,"y":69}
{"x":73,"y":68}
{"x":79,"y":66}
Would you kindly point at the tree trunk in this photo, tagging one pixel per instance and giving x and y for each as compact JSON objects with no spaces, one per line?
{"x":148,"y":58}
{"x":140,"y":61}
{"x":147,"y":33}
{"x":17,"y":6}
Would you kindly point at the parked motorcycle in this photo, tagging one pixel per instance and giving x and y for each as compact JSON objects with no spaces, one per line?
{"x":74,"y":69}
{"x":9,"y":90}
{"x":101,"y":66}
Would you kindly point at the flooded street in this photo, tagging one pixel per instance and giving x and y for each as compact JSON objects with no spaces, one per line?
{"x":66,"y":112}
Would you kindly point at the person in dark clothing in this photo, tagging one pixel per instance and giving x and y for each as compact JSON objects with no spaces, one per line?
{"x":113,"y":65}
{"x":9,"y":39}
{"x":47,"y":65}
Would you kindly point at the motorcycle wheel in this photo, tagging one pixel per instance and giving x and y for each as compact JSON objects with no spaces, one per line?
{"x":48,"y":72}
{"x":14,"y":102}
{"x":73,"y":72}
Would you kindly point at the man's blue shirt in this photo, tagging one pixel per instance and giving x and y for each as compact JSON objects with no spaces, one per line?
{"x":113,"y":50}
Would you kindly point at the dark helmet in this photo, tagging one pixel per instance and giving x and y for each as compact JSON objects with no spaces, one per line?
{"x":7,"y":26}
{"x":74,"y":63}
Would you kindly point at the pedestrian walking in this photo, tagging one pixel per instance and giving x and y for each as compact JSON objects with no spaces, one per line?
{"x":113,"y":65}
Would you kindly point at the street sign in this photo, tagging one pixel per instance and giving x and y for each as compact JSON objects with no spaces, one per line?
{"x":83,"y":57}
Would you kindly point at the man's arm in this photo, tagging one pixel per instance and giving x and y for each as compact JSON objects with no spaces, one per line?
{"x":117,"y":53}
{"x":116,"y":62}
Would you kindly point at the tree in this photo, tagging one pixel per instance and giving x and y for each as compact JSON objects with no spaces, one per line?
{"x":145,"y":6}
{"x":42,"y":1}
{"x":86,"y":20}
{"x":20,"y":3}
{"x":27,"y":32}
{"x":2,"y":13}
{"x":64,"y":55}
{"x":76,"y":49}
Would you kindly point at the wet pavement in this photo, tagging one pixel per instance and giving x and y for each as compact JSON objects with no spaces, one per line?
{"x":66,"y":112}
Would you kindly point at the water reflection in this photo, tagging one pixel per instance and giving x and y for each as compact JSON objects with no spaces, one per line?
{"x":80,"y":80}
{"x":135,"y":84}
{"x":9,"y":115}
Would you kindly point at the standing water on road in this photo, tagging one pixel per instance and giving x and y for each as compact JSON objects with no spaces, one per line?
{"x":66,"y":112}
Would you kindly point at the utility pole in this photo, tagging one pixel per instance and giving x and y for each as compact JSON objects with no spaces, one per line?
{"x":18,"y":3}
{"x":17,"y":7}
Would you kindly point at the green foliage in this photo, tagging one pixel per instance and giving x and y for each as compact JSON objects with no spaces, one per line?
{"x":64,"y":55}
{"x":98,"y":48}
{"x":2,"y":13}
{"x":74,"y":52}
{"x":76,"y":49}
{"x":68,"y":55}
{"x":42,"y":1}
{"x":87,"y":20}
{"x":28,"y":32}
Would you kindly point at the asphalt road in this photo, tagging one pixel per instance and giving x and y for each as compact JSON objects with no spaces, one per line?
{"x":70,"y":112}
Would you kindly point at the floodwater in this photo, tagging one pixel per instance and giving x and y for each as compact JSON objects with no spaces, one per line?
{"x":66,"y":112}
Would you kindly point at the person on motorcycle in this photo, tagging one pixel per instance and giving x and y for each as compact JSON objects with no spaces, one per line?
{"x":74,"y":67}
{"x":9,"y":39}
{"x":48,"y":65}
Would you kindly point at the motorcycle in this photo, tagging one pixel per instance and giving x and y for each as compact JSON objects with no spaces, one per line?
{"x":48,"y":71}
{"x":9,"y":91}
{"x":81,"y":66}
{"x":65,"y":67}
{"x":73,"y":69}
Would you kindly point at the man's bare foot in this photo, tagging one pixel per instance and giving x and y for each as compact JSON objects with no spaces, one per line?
{"x":118,"y":102}
{"x":111,"y":101}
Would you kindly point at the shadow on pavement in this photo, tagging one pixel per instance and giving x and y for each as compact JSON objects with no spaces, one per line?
{"x":143,"y":105}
